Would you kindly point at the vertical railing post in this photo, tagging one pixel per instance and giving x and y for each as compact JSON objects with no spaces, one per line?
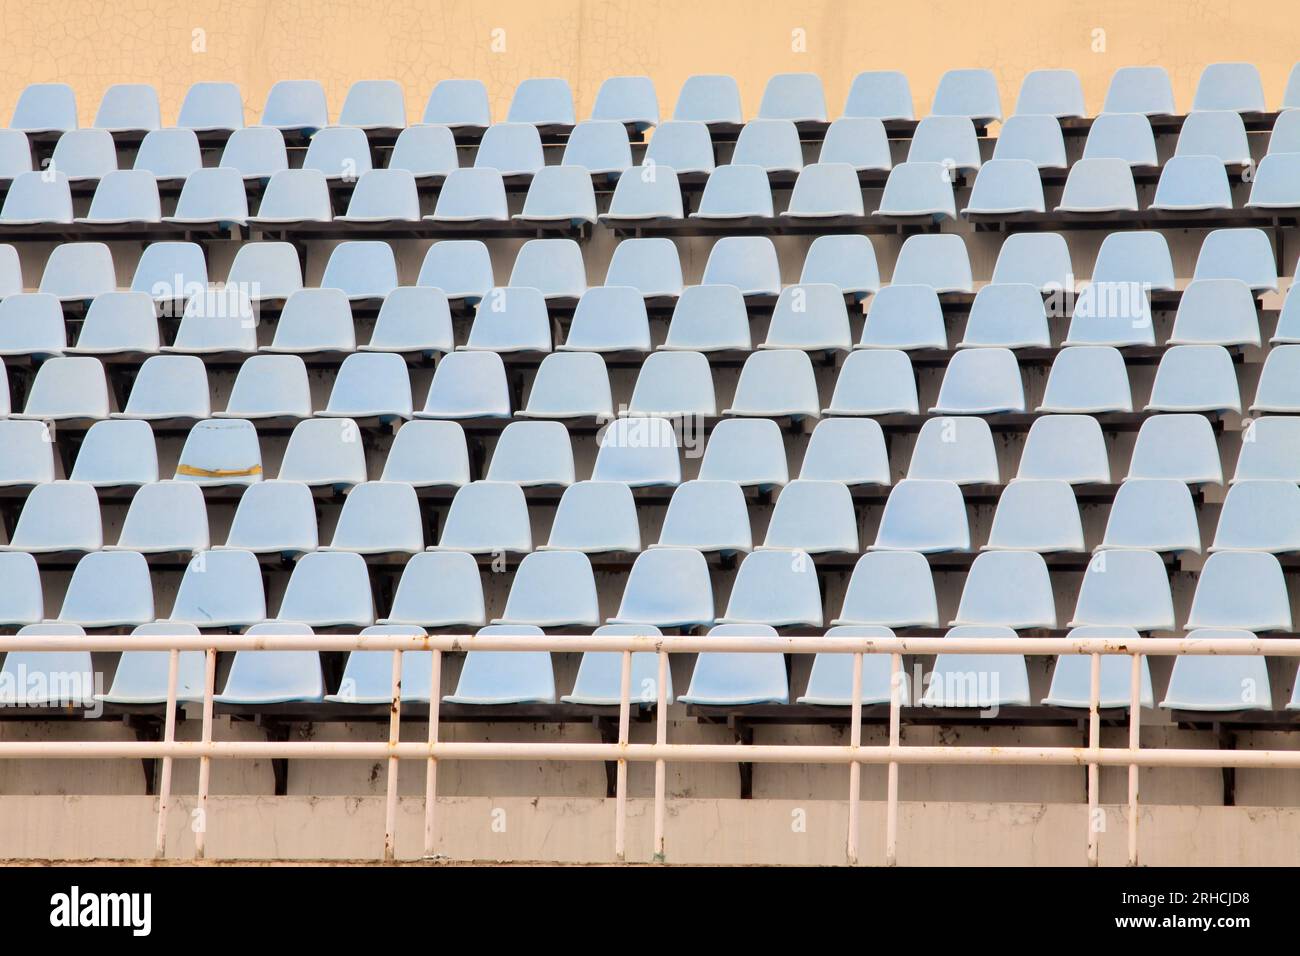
{"x":200,"y":825}
{"x":620,"y":791}
{"x":891,"y":784}
{"x":169,"y":735}
{"x":394,"y":735}
{"x":431,"y":767}
{"x":661,"y":769}
{"x":1134,"y":742}
{"x":855,"y":768}
{"x":1094,"y":769}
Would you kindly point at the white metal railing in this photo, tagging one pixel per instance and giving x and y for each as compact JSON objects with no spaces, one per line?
{"x":853,"y":754}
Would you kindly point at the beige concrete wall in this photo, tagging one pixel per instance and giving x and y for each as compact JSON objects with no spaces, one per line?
{"x":172,"y":43}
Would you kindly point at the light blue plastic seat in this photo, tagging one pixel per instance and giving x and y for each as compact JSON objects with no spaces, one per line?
{"x":793,"y":96}
{"x":29,"y":454}
{"x":640,"y":452}
{"x":79,"y":271}
{"x":212,"y":108}
{"x":709,"y":318}
{"x":1032,"y":137}
{"x":905,"y":316}
{"x":969,"y":93}
{"x":461,"y":268}
{"x":220,"y":589}
{"x":600,"y":673}
{"x":363,"y":270}
{"x":776,"y":588}
{"x":468,"y":385}
{"x":379,"y":517}
{"x":815,"y":517}
{"x":980,"y":382}
{"x":1068,"y":448}
{"x":918,"y":190}
{"x":296,"y":105}
{"x":560,"y":194}
{"x":68,"y":389}
{"x":1007,"y":315}
{"x":947,"y":140}
{"x":141,"y":676}
{"x":1129,"y":588}
{"x":772,"y":144}
{"x":217,"y":322}
{"x":1219,"y":683}
{"x":328,"y":590}
{"x":937,"y":260}
{"x":1285,"y":137}
{"x":1177,"y":446}
{"x":512,"y":149}
{"x":1006,"y":186}
{"x":472,"y":195}
{"x":1008,"y":588}
{"x":1099,"y":186}
{"x":570,"y":385}
{"x":552,"y":266}
{"x":128,"y":196}
{"x":776,"y":383}
{"x":212,"y":197}
{"x":682,"y":146}
{"x":84,"y":155}
{"x":747,"y":262}
{"x":11,"y":273}
{"x":314,"y":321}
{"x":45,"y":108}
{"x":650,"y":194}
{"x":1216,"y":312}
{"x":115,"y":454}
{"x":61,"y":679}
{"x":1153,"y":514}
{"x":427,"y":152}
{"x":15,"y":154}
{"x":959,"y":449}
{"x":368,"y":675}
{"x":875,"y":382}
{"x":1291,"y":97}
{"x":1072,"y":676}
{"x":857,"y":141}
{"x":1036,"y":515}
{"x":1122,"y":136}
{"x":1055,"y":93}
{"x":109,"y":589}
{"x":374,"y":105}
{"x":672,"y":385}
{"x":1230,"y":86}
{"x":667,"y":587}
{"x":533,"y":455}
{"x":707,"y":515}
{"x":1140,"y":258}
{"x":258,"y":153}
{"x":847,"y":262}
{"x":275,"y":517}
{"x":552,"y":589}
{"x":1195,"y":378}
{"x":33,"y":199}
{"x":511,"y":319}
{"x":325,"y":452}
{"x":21,"y":599}
{"x":1274,"y":186}
{"x":928,"y":516}
{"x":649,"y":265}
{"x":165,"y":517}
{"x":439,"y":590}
{"x":413,"y":319}
{"x":370,"y":385}
{"x":595,"y":517}
{"x":505,"y":677}
{"x":1111,"y":313}
{"x":749,"y":452}
{"x":542,"y":101}
{"x":826,"y":191}
{"x":294,"y":197}
{"x":709,"y":98}
{"x":170,"y":272}
{"x":61,"y":516}
{"x":1259,"y":515}
{"x":735,"y":192}
{"x":1270,"y":449}
{"x":882,"y":94}
{"x":810,"y":317}
{"x":985,"y":681}
{"x":609,"y":319}
{"x":458,"y":104}
{"x":847,"y":450}
{"x":831,"y":681}
{"x":487,"y":517}
{"x":1244,"y":254}
{"x":629,"y":100}
{"x":721,"y":679}
{"x":1241,"y":589}
{"x":266,"y":271}
{"x":1218,"y":133}
{"x":31,"y":323}
{"x":274,"y":677}
{"x":1140,"y":89}
{"x":1193,"y":183}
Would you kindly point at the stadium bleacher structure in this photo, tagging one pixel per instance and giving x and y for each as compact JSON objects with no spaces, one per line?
{"x":344,"y":373}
